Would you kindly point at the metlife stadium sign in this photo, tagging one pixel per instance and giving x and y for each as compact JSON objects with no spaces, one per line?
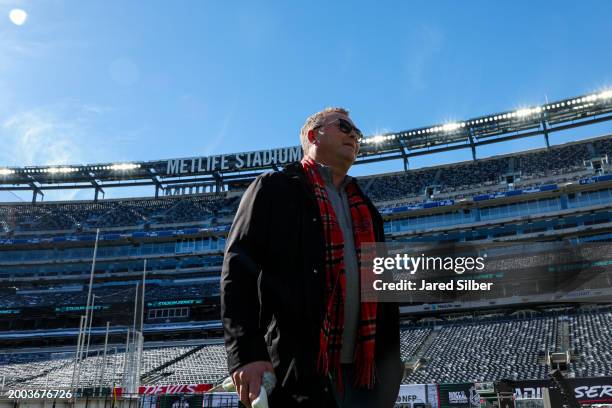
{"x":234,"y":161}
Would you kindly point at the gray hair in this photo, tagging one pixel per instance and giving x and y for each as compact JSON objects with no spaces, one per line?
{"x":313,"y":121}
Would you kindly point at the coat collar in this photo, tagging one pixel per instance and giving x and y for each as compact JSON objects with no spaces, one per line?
{"x":296,"y":172}
{"x":295,"y":169}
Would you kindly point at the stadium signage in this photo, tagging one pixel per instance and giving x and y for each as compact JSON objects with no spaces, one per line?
{"x":501,"y":194}
{"x":234,"y":161}
{"x":173,"y":389}
{"x":459,"y":395}
{"x":79,"y":308}
{"x":409,"y":394}
{"x":586,"y":390}
{"x":528,"y":393}
{"x":116,"y":237}
{"x":595,"y":179}
{"x":418,"y":206}
{"x":9,"y":311}
{"x":596,"y":391}
{"x":174,"y":302}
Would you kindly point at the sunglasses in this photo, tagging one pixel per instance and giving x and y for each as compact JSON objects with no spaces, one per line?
{"x":346,"y":127}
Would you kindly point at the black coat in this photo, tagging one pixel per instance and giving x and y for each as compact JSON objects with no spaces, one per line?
{"x":272,"y":289}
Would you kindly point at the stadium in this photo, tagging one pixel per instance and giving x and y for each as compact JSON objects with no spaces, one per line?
{"x":115,"y":302}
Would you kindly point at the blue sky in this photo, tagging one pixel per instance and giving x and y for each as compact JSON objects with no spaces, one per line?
{"x":106,"y":81}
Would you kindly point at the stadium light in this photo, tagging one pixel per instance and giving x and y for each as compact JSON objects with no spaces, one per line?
{"x":6,"y":172}
{"x":376,"y":139}
{"x":63,"y":170}
{"x":605,"y":94}
{"x":522,"y":113}
{"x":124,"y":166}
{"x":450,"y":127}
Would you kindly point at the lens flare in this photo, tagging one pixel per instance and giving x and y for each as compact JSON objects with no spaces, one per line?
{"x":18,"y":16}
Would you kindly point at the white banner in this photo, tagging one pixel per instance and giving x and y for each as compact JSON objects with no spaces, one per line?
{"x":410,"y":394}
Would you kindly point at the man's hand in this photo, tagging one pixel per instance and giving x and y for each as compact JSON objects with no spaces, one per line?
{"x":247,"y":380}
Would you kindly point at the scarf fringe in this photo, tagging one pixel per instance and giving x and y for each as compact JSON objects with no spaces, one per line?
{"x":364,"y":373}
{"x":323,"y":360}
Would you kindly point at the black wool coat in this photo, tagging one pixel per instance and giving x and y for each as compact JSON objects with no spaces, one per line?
{"x":272,"y":292}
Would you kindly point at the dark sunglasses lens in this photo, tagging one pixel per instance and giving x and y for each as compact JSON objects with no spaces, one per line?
{"x":344,"y":126}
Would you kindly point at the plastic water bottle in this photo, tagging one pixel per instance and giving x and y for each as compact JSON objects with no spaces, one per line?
{"x":268,"y":382}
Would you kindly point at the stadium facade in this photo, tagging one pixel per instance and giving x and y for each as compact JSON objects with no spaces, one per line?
{"x":561,"y":192}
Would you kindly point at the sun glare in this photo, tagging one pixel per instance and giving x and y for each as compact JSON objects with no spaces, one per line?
{"x":18,"y":16}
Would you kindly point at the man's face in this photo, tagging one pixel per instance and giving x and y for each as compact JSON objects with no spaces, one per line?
{"x":334,"y":144}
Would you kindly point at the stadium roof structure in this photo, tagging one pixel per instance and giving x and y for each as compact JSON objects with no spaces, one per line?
{"x":242,"y":167}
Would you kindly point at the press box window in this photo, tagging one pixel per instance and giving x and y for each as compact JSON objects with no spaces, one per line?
{"x":175,"y":312}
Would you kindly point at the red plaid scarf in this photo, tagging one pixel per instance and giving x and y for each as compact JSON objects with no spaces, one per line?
{"x":332,"y":327}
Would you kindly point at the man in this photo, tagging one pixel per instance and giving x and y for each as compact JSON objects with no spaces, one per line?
{"x":290,"y":282}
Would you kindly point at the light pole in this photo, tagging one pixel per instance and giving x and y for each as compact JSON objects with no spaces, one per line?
{"x":102,"y":375}
{"x":84,"y":326}
{"x":93,"y":303}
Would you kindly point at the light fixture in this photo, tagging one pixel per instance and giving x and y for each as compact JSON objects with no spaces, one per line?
{"x":6,"y":172}
{"x":449,"y":127}
{"x":63,"y":170}
{"x":605,"y":94}
{"x":375,"y":139}
{"x":521,"y":113}
{"x":124,"y":166}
